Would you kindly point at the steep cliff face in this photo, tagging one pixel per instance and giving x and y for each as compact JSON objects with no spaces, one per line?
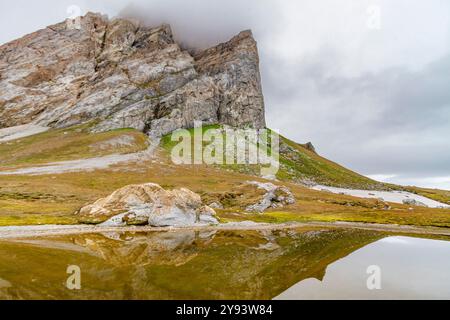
{"x":125,"y":75}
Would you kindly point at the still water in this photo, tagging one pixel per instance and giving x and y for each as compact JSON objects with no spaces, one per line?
{"x":408,"y":268}
{"x":305,"y":263}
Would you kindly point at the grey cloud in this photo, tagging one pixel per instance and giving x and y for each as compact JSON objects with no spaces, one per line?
{"x":393,"y":121}
{"x":200,"y":23}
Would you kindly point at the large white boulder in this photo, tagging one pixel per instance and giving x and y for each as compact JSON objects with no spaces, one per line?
{"x":149,"y":204}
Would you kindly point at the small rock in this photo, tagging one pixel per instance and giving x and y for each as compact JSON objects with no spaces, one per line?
{"x":413,"y":202}
{"x":310,"y":147}
{"x":216,"y":205}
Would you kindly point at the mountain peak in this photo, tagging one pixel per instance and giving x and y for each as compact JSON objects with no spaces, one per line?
{"x":122,"y":74}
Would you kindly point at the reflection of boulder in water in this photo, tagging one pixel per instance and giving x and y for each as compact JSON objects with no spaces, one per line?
{"x":183,"y":264}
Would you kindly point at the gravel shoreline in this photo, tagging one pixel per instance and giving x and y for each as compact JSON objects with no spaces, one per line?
{"x":18,"y":232}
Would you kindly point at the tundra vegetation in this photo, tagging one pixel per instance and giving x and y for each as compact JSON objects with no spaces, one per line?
{"x":104,"y":88}
{"x":54,"y":198}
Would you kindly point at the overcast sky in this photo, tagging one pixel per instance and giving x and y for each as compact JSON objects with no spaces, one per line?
{"x":367,"y":81}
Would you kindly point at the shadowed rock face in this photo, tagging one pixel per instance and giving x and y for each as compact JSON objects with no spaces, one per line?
{"x":125,"y":75}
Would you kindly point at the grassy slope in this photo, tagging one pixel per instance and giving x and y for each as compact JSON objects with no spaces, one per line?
{"x":435,"y":194}
{"x":67,"y":144}
{"x":323,"y":171}
{"x":299,"y":163}
{"x":54,"y":198}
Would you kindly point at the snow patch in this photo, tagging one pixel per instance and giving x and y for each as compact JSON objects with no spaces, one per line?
{"x":388,"y":196}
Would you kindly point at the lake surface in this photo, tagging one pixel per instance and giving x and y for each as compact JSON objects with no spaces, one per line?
{"x":408,"y":268}
{"x":305,"y":263}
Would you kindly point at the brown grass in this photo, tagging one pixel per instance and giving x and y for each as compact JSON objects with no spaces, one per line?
{"x":54,"y":198}
{"x":61,"y":195}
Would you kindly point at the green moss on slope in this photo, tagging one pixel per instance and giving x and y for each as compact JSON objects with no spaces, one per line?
{"x":299,"y":164}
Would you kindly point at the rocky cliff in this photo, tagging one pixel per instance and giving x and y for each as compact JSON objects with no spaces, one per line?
{"x":122,"y":74}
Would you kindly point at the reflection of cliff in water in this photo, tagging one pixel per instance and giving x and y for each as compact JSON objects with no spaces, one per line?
{"x":174,"y":265}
